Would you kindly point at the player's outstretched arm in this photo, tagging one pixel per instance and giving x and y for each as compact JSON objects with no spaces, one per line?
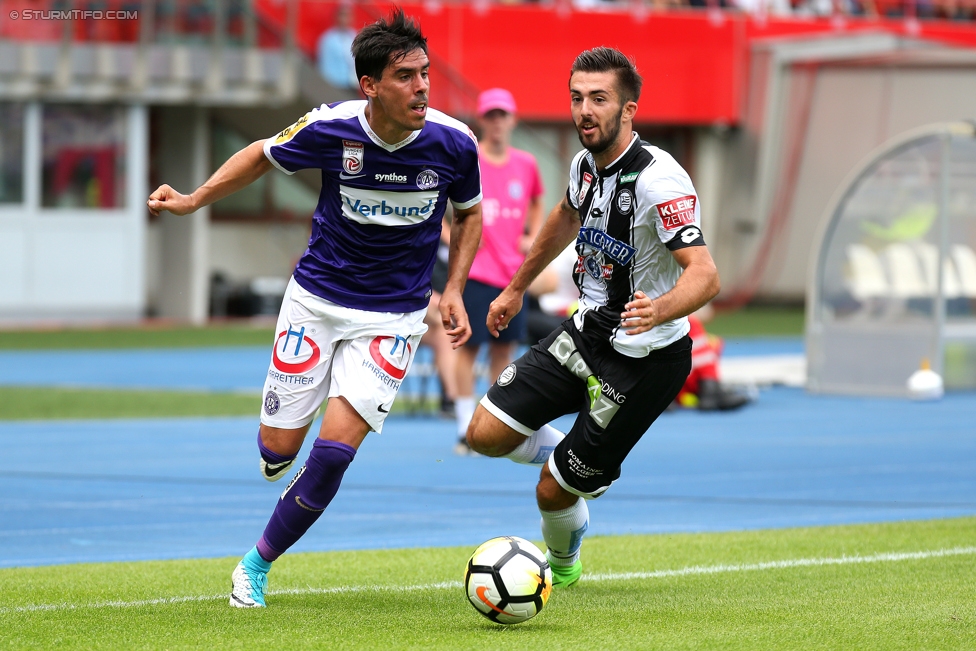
{"x":560,"y":228}
{"x":698,"y":284}
{"x":242,"y":169}
{"x":465,"y":238}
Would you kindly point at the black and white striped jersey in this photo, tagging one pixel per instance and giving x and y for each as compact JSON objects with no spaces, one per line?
{"x":633,"y":214}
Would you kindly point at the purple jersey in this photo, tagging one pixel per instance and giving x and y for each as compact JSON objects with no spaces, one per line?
{"x":378,"y":220}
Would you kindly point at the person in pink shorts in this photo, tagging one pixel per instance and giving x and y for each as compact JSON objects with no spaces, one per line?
{"x":511,"y":217}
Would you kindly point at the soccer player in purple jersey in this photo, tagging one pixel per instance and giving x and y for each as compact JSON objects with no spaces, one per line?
{"x":352,"y":316}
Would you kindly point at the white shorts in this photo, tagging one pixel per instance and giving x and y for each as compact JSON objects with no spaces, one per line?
{"x":323,"y":350}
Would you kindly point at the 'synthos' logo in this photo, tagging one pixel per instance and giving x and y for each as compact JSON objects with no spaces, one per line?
{"x":300,"y":352}
{"x":393,"y":177}
{"x":617,"y":250}
{"x":352,"y":156}
{"x":387,"y":208}
{"x":427,"y":180}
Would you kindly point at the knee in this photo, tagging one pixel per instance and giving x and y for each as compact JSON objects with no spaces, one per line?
{"x":550,"y":496}
{"x":489,"y":436}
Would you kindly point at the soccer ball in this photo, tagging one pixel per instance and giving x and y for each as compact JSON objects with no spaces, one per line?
{"x":508,"y":580}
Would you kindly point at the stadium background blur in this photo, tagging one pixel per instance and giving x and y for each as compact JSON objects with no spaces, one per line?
{"x":769,"y":106}
{"x":110,"y":387}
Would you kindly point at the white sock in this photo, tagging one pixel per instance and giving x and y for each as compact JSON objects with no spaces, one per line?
{"x":563,"y":532}
{"x":463,"y":411}
{"x":537,"y":448}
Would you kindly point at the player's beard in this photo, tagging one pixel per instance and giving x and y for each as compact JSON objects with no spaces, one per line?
{"x":604,"y":143}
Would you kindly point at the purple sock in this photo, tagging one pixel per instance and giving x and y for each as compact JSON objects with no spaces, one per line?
{"x":271,"y":456}
{"x":311,"y":490}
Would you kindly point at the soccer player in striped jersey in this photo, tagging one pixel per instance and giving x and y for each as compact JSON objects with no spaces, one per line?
{"x":642,"y":266}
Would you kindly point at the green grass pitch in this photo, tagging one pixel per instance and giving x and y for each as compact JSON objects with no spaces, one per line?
{"x":747,"y":322}
{"x":886,"y":586}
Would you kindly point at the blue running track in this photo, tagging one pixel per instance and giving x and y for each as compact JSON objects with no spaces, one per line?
{"x":78,"y":491}
{"x":211,"y":369}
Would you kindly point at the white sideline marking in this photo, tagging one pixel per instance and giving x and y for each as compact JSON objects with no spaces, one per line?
{"x":588,"y":578}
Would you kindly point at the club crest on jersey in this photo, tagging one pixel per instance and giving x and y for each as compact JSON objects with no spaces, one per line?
{"x":590,"y":265}
{"x":352,"y":156}
{"x":427,"y":180}
{"x":618,"y":251}
{"x":584,"y":186}
{"x":625,"y":202}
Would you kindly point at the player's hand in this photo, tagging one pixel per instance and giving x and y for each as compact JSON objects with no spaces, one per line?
{"x":168,"y":199}
{"x":454,"y":317}
{"x":502,"y":310}
{"x":640,"y":315}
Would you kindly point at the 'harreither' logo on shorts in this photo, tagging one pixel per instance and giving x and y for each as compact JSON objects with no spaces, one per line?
{"x":301,"y":352}
{"x":390,"y":355}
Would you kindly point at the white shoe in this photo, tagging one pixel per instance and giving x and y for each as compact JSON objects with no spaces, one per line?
{"x":248,"y":587}
{"x":274,"y":471}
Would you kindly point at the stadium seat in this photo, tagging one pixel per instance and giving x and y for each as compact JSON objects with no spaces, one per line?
{"x":866,"y":277}
{"x":905,"y":272}
{"x":965,"y":261}
{"x":928,"y":255}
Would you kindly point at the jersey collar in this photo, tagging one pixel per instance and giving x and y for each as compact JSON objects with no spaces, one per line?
{"x":379,"y":142}
{"x":619,"y":161}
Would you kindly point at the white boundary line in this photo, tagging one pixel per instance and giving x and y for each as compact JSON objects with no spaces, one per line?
{"x":588,"y":578}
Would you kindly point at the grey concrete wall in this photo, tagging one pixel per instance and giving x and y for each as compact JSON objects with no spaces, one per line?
{"x":182,"y":158}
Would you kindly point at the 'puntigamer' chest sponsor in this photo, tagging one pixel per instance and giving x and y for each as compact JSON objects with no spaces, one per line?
{"x":385,"y":208}
{"x":617,"y":250}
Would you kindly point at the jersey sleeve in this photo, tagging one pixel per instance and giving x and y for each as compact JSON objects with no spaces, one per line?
{"x":573,"y":194}
{"x":465,"y":190}
{"x":295,"y":148}
{"x":672,"y":208}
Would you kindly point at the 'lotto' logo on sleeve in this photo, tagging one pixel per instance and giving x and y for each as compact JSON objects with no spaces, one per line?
{"x":677,"y":212}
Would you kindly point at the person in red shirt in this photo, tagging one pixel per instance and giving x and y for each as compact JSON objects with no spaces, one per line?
{"x":703,"y":390}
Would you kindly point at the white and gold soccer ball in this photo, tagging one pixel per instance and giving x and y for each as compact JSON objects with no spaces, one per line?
{"x":508,"y":580}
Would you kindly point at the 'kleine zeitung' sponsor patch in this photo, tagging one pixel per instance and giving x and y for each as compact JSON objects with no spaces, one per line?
{"x":677,"y":212}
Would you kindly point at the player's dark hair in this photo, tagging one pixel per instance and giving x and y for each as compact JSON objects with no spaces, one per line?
{"x":607,"y":59}
{"x":384,"y":42}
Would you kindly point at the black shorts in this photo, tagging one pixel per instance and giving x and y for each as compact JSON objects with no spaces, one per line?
{"x":438,"y":277}
{"x":617,"y":397}
{"x":477,"y":298}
